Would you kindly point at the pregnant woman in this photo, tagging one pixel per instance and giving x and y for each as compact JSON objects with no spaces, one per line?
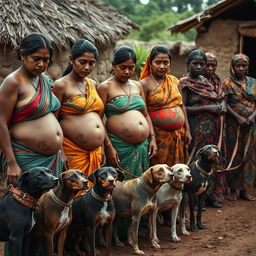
{"x":81,"y":110}
{"x":164,"y":103}
{"x":128,"y":123}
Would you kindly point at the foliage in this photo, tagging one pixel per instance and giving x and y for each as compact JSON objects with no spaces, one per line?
{"x":158,"y":15}
{"x":141,"y":54}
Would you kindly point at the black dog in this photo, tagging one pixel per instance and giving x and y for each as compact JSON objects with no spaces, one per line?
{"x":17,"y":207}
{"x":93,"y":210}
{"x":201,"y":171}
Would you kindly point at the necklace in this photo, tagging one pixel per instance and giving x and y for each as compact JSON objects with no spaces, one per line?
{"x":129,"y":86}
{"x":153,"y":78}
{"x":36,"y":82}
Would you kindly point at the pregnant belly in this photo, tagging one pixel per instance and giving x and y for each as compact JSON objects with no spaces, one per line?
{"x":168,"y":118}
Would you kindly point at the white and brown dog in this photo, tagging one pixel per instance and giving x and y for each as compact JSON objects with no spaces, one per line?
{"x":135,"y":198}
{"x":168,"y":197}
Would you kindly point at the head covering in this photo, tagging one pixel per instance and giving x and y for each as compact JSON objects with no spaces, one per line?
{"x":234,"y":59}
{"x":146,"y":70}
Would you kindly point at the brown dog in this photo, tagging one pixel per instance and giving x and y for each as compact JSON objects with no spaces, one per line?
{"x":135,"y":198}
{"x":54,"y":213}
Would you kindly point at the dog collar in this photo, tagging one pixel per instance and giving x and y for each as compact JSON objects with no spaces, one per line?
{"x":60,"y":202}
{"x":23,"y":197}
{"x":96,"y":196}
{"x":200,"y":169}
{"x":176,"y":188}
{"x":146,"y":186}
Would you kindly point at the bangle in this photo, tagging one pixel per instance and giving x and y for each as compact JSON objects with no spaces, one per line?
{"x":152,"y":135}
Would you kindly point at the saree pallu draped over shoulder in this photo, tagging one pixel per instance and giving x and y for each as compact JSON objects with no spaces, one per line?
{"x":164,"y":102}
{"x":42,"y":103}
{"x":205,"y":126}
{"x":78,"y":158}
{"x":242,"y":99}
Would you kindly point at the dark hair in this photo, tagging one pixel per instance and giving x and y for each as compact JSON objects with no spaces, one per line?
{"x":33,"y":42}
{"x":195,"y":53}
{"x":122,"y":54}
{"x":157,"y":50}
{"x":79,"y":47}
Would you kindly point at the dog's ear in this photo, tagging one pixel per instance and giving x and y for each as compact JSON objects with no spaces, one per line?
{"x":62,"y":175}
{"x":149,"y":175}
{"x":23,"y":179}
{"x":93,"y":176}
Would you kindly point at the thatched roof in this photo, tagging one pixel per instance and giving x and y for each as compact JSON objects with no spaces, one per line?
{"x":203,"y":16}
{"x":62,"y":21}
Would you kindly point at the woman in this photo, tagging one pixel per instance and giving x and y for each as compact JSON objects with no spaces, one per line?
{"x":240,"y":94}
{"x":128,"y":123}
{"x":205,"y":105}
{"x":164,"y":103}
{"x":81,"y":110}
{"x":30,"y":134}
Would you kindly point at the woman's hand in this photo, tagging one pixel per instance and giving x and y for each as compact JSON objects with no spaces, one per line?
{"x":242,"y":121}
{"x":152,"y":150}
{"x":251,"y":119}
{"x":112,"y":156}
{"x":188,"y":137}
{"x":223,"y":106}
{"x":215,"y":109}
{"x":13,"y":173}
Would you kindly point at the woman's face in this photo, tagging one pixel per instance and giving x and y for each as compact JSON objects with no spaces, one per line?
{"x":210,"y":67}
{"x":125,"y":70}
{"x":36,"y":63}
{"x":241,"y":68}
{"x":84,"y":64}
{"x":160,"y":64}
{"x":196,"y":66}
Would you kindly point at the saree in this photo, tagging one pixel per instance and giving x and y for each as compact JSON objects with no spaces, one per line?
{"x":85,"y":160}
{"x":42,"y":103}
{"x":133,"y":157}
{"x":205,"y":126}
{"x":170,"y":143}
{"x":242,"y":99}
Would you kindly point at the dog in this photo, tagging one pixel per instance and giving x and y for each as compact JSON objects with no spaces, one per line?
{"x":135,"y":198}
{"x":92,"y":210}
{"x":17,"y":207}
{"x":168,"y":197}
{"x":201,"y":171}
{"x":53,"y":214}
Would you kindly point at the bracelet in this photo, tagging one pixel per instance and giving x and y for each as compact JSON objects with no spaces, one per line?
{"x":152,"y":135}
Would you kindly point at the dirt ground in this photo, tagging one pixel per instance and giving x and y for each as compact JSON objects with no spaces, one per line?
{"x":231,"y":232}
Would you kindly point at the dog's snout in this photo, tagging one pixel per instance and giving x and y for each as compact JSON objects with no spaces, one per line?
{"x":56,"y":180}
{"x":111,"y":181}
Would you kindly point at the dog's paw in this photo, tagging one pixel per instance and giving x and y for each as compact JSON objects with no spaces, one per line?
{"x":185,"y":233}
{"x":139,"y":252}
{"x":155,"y":243}
{"x":201,"y":226}
{"x":175,"y":238}
{"x":193,"y":228}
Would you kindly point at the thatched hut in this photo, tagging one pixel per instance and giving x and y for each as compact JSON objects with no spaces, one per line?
{"x":225,"y":29}
{"x":62,"y":21}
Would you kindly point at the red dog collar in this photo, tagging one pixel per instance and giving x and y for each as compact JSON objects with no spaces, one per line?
{"x":23,"y":198}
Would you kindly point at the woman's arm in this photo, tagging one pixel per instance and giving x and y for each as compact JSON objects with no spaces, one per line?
{"x":112,"y":154}
{"x":59,"y":91}
{"x":193,"y":110}
{"x":240,"y":119}
{"x":152,"y":145}
{"x":9,"y":92}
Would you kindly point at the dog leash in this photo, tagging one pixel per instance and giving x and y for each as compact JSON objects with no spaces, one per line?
{"x":125,"y":173}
